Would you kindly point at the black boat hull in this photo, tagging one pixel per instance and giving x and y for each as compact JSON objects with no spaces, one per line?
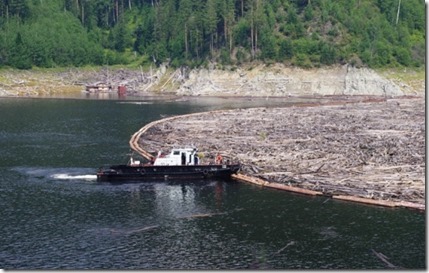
{"x":151,"y":172}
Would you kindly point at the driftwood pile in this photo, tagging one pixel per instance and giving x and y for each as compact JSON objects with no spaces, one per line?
{"x":371,"y":150}
{"x":134,"y":79}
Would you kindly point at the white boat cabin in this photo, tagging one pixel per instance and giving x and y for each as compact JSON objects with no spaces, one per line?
{"x":181,"y":156}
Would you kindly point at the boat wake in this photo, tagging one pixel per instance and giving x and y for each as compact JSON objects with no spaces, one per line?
{"x":75,"y":174}
{"x":65,"y":176}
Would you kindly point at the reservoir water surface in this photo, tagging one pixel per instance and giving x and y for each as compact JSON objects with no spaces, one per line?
{"x":55,"y":215}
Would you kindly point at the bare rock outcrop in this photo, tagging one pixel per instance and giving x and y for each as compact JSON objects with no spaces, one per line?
{"x":363,"y":81}
{"x":279,"y":80}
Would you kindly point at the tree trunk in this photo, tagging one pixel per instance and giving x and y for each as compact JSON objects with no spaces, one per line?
{"x":230,"y":42}
{"x":252,"y":27}
{"x":197,"y":43}
{"x":117,"y":10}
{"x":225,"y":30}
{"x":186,"y":42}
{"x":256,"y":27}
{"x":256,"y":39}
{"x":397,"y":15}
{"x":83,"y":15}
{"x":211,"y":45}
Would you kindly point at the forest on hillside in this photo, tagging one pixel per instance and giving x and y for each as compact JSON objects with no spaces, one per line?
{"x":305,"y":33}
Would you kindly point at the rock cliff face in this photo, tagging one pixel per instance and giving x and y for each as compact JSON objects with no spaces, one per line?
{"x":278,"y":80}
{"x":366,"y":82}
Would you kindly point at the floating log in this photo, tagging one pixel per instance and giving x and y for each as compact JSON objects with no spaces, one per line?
{"x":293,"y":189}
{"x":365,"y":200}
{"x":202,"y":215}
{"x":411,"y":205}
{"x":283,"y":248}
{"x":261,"y":182}
{"x":384,"y":259}
{"x":249,"y":179}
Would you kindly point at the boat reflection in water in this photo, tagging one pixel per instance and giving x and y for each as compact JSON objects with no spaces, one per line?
{"x":181,"y":163}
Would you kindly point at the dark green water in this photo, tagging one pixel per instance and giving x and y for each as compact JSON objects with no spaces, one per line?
{"x":56,"y":216}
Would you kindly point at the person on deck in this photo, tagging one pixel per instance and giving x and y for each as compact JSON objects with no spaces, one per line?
{"x":218,"y":159}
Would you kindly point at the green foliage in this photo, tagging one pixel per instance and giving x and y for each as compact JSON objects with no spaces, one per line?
{"x":241,"y":33}
{"x":302,"y":60}
{"x":185,"y":32}
{"x":308,"y":13}
{"x":327,"y":54}
{"x":20,"y":57}
{"x":285,"y":50}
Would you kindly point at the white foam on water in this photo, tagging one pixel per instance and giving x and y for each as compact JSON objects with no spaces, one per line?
{"x":65,"y":176}
{"x":87,"y":174}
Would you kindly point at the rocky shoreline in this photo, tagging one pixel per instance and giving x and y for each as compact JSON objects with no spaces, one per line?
{"x":254,"y":80}
{"x":372,"y":150}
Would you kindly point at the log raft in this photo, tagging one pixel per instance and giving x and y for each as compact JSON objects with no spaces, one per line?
{"x":369,"y":152}
{"x":273,"y":185}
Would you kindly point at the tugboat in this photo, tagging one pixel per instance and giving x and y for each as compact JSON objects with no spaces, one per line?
{"x":180,"y":163}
